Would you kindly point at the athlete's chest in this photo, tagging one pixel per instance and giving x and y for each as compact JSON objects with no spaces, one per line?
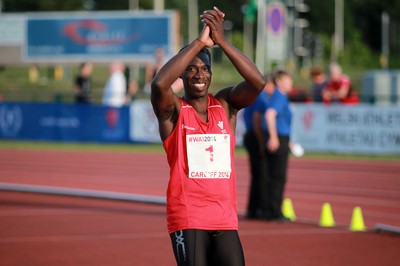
{"x":215,"y":122}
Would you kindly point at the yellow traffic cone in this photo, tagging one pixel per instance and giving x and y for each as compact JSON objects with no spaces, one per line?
{"x":326,"y":219}
{"x":287,"y":209}
{"x":357,"y":220}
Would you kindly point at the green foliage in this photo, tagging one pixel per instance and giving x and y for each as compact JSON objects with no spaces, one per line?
{"x":357,"y":53}
{"x":16,"y":86}
{"x":321,"y":16}
{"x":81,"y":146}
{"x":250,"y":11}
{"x":41,"y":5}
{"x":237,"y":39}
{"x":326,"y":43}
{"x":361,"y":17}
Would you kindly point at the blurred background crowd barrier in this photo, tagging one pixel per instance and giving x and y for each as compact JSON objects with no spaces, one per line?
{"x":363,"y":128}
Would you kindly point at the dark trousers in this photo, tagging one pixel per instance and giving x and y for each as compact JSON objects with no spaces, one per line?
{"x":207,"y":248}
{"x":257,"y":171}
{"x":276,"y":169}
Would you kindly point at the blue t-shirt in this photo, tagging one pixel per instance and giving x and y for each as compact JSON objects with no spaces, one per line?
{"x":280,"y":103}
{"x":259,"y":105}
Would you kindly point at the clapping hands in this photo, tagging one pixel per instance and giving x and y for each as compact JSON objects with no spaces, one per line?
{"x":213,"y":31}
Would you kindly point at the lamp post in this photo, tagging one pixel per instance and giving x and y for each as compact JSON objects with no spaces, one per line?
{"x":261,"y":33}
{"x":297,"y":29}
{"x":159,"y":5}
{"x":133,"y":4}
{"x":250,"y":12}
{"x":193,"y":20}
{"x":385,"y":40}
{"x":338,"y":42}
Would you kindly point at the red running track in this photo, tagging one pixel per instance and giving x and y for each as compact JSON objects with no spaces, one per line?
{"x":56,"y":230}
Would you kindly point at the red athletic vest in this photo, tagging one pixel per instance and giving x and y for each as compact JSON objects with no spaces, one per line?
{"x":202,"y":187}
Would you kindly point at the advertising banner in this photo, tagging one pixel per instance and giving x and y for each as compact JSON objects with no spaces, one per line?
{"x":362,"y":129}
{"x":347,"y":129}
{"x":12,"y":29}
{"x":144,"y":125}
{"x":318,"y":128}
{"x":62,"y":122}
{"x":99,"y":36}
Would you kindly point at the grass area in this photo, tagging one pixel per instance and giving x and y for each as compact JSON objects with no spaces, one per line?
{"x":339,"y":156}
{"x":15,"y":84}
{"x":157,"y":148}
{"x":83,"y":146}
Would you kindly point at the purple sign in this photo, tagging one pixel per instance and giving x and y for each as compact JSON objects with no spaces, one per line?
{"x":275,"y":18}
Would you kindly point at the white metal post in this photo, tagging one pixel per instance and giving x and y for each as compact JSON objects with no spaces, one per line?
{"x":193,"y":20}
{"x":261,"y":35}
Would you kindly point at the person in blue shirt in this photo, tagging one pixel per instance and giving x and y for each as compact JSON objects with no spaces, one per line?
{"x":278,"y":118}
{"x":253,"y":142}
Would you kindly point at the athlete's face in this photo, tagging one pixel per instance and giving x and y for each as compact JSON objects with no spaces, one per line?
{"x":197,"y":76}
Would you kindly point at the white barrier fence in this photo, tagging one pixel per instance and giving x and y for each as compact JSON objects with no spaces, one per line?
{"x":317,"y":127}
{"x":347,"y":129}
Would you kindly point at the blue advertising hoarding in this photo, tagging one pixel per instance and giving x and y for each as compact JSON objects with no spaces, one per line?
{"x":365,"y":129}
{"x":99,"y":36}
{"x":63,"y":122}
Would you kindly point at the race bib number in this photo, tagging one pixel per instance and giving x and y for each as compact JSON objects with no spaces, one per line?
{"x":209,"y":155}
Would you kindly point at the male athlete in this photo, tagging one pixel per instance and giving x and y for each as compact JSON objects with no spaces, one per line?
{"x":197,"y":131}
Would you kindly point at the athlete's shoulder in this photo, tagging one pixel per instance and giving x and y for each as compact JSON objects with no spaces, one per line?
{"x":213,"y":101}
{"x":184,"y":104}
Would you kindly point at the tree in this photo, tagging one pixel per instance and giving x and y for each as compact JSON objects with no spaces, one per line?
{"x":362,"y":16}
{"x":367,"y":18}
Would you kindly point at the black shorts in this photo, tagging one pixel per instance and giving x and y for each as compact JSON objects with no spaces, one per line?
{"x":205,"y":248}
